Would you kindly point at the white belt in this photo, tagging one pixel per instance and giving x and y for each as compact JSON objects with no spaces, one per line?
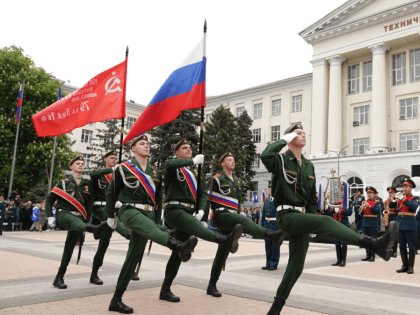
{"x":76,"y":213}
{"x":188,"y":205}
{"x":141,"y":206}
{"x":271,"y":219}
{"x":221,"y":209}
{"x":286,"y":207}
{"x":99,"y":203}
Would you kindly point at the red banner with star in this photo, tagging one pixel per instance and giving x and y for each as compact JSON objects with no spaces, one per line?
{"x":100,"y":99}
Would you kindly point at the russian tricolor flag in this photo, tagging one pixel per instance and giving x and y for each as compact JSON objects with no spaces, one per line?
{"x":184,"y":89}
{"x":19,"y":104}
{"x":263,"y":196}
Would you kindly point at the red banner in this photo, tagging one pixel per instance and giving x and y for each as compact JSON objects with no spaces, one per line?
{"x":102,"y":98}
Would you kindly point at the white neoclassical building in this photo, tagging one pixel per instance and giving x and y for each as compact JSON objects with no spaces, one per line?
{"x":363,"y":93}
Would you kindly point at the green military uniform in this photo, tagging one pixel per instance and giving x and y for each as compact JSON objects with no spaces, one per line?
{"x":299,"y":191}
{"x":100,"y":182}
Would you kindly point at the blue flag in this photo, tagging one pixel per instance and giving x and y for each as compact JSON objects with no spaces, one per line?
{"x":255,"y":197}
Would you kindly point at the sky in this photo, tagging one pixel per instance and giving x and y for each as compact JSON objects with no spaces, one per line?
{"x":248,"y":43}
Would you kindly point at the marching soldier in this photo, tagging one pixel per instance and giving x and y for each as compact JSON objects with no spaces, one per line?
{"x":181,"y":192}
{"x":2,"y":212}
{"x":407,"y":205}
{"x":358,"y":201}
{"x":295,"y":200}
{"x":390,"y":215}
{"x":268,"y":221}
{"x":100,"y":182}
{"x":369,"y":211}
{"x":226,"y":201}
{"x":138,"y":186}
{"x":74,"y":208}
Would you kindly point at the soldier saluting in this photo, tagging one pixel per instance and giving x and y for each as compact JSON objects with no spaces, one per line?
{"x":100,"y":182}
{"x":226,"y":202}
{"x":74,"y":208}
{"x":294,"y":194}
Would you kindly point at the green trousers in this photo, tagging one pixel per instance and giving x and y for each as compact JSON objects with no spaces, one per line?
{"x":143,"y":227}
{"x":298,"y":226}
{"x":185,"y":225}
{"x":99,"y":212}
{"x":226,"y":221}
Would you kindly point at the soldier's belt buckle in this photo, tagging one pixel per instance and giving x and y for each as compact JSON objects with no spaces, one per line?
{"x":75,"y":213}
{"x":189,"y":205}
{"x":303,"y":210}
{"x":146,"y":207}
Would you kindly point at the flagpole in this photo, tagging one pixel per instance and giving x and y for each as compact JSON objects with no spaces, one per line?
{"x":16,"y":141}
{"x":203,"y":104}
{"x":122,"y":120}
{"x":53,"y":155}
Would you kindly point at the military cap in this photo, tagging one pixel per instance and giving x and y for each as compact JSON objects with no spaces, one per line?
{"x":409,"y":182}
{"x":360,"y":190}
{"x":391,"y":188}
{"x":2,"y":195}
{"x":110,"y":153}
{"x":138,"y":138}
{"x":77,"y":158}
{"x":182,"y":142}
{"x":371,"y":189}
{"x":227,"y":154}
{"x":269,"y":183}
{"x":293,"y":127}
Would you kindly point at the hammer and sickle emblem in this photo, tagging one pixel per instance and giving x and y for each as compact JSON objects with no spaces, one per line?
{"x":110,"y":89}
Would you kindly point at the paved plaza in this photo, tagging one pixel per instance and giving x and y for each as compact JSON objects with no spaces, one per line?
{"x":30,"y":260}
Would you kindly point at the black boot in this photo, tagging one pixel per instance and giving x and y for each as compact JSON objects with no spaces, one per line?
{"x":171,"y":232}
{"x":230,"y":241}
{"x":166,"y":293}
{"x":276,"y":307}
{"x":368,"y":253}
{"x":338,"y":253}
{"x":343,"y":256}
{"x":275,"y":236}
{"x":394,"y":249}
{"x":134,"y":277}
{"x":382,"y":246}
{"x":117,"y":305}
{"x":184,"y":249}
{"x":404,"y":259}
{"x":411,"y":260}
{"x":372,"y":257}
{"x":59,"y":279}
{"x":94,"y":276}
{"x":97,"y":230}
{"x":212,"y":289}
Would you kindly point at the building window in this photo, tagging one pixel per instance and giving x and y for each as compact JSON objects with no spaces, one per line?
{"x":86,"y":158}
{"x":275,"y":133}
{"x":130,"y":122}
{"x":239,"y":111}
{"x":256,"y":135}
{"x":408,"y":108}
{"x":87,"y":136}
{"x":367,"y":76}
{"x":354,"y":184}
{"x":276,"y":107}
{"x":361,"y":114}
{"x":251,"y":192}
{"x":353,"y":79}
{"x":360,"y":146}
{"x":398,"y":69}
{"x":297,"y":103}
{"x":409,"y":141}
{"x":208,"y":118}
{"x":415,"y":65}
{"x":256,"y":161}
{"x":257,"y":110}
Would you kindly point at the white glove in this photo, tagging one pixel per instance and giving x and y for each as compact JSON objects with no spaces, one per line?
{"x":401,"y":197}
{"x":198,"y":159}
{"x":204,"y":223}
{"x":118,"y":204}
{"x":312,"y":235}
{"x":336,"y":210}
{"x":198,"y":215}
{"x":51,"y":222}
{"x":289,"y":137}
{"x":112,"y":222}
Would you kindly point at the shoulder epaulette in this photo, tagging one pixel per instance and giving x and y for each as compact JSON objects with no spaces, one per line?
{"x":217,"y":175}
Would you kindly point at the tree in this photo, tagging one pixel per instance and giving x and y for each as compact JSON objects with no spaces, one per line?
{"x":165,"y":137}
{"x":38,"y":192}
{"x":108,"y":139}
{"x":33,"y":154}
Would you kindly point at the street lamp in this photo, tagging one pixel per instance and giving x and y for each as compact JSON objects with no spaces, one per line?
{"x":338,"y":156}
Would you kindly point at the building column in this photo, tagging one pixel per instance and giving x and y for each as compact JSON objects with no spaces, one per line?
{"x":335,"y":120}
{"x":378,"y":112}
{"x":320,"y":79}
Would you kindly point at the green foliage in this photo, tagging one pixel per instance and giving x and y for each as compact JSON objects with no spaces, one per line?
{"x":38,"y":192}
{"x":108,"y":139}
{"x":33,"y":154}
{"x":165,"y":137}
